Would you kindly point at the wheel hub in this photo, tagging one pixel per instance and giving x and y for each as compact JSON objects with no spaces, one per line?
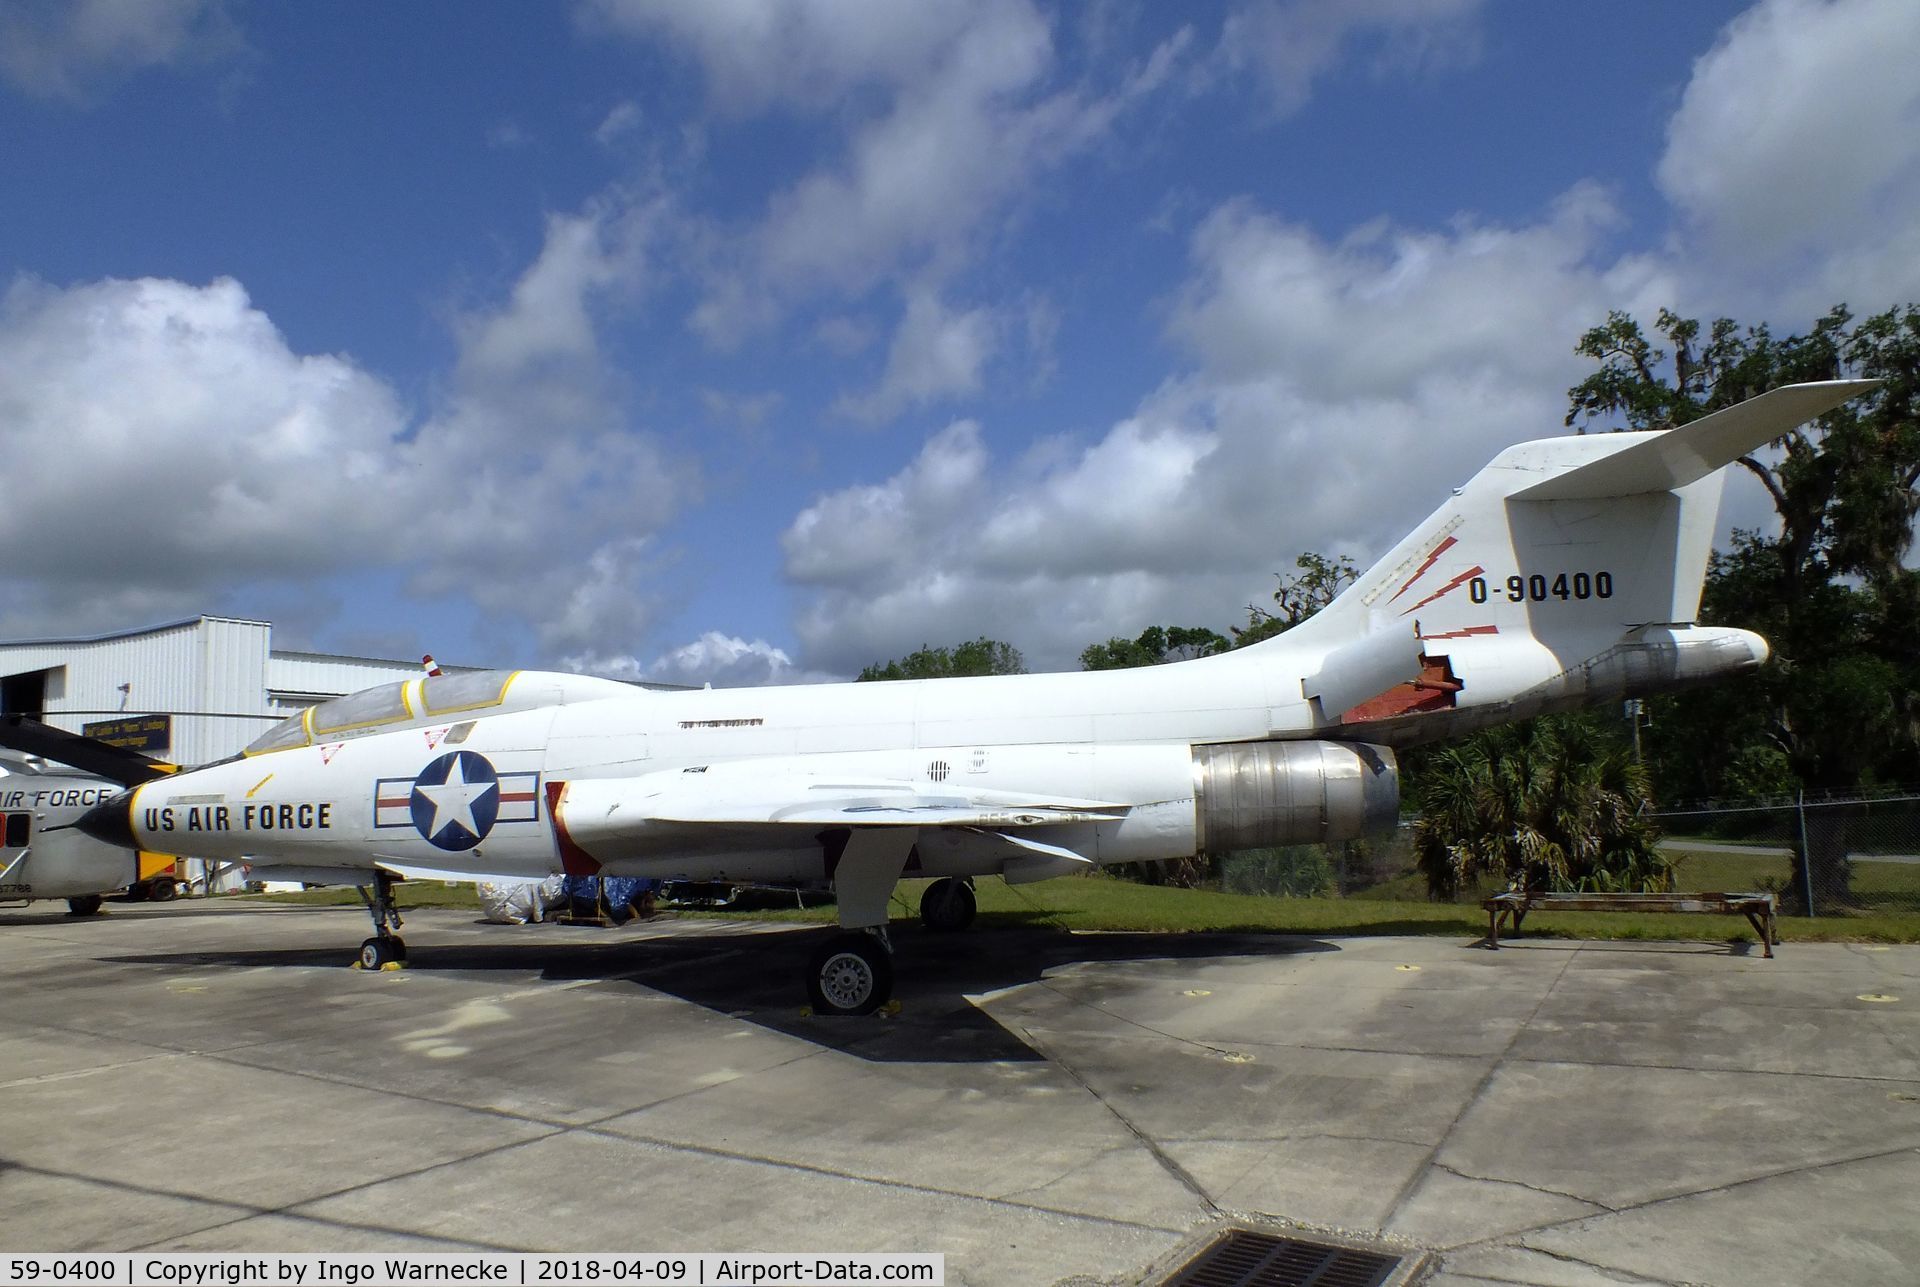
{"x":846,"y":980}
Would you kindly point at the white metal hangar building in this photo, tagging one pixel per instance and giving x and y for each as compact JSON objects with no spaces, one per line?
{"x":188,"y":691}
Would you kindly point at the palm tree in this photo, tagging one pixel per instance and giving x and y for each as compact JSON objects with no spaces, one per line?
{"x":1553,"y":803}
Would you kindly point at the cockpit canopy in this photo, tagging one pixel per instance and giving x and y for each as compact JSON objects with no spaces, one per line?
{"x":422,"y":701}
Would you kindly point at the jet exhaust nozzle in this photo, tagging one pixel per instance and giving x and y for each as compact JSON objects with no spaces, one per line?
{"x":110,"y":821}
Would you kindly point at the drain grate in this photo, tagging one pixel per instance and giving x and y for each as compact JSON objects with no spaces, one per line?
{"x":1243,"y":1258}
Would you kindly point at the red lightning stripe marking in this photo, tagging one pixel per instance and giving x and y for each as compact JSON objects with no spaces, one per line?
{"x":1421,"y":571}
{"x":1462,"y":634}
{"x":1455,"y":584}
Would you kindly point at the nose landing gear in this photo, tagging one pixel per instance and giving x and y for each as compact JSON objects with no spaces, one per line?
{"x":385,"y":948}
{"x":853,"y":973}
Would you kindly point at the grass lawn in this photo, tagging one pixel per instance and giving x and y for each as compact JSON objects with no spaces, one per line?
{"x":1102,"y":902}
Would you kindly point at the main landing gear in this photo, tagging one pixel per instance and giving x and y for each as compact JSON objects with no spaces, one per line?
{"x":853,"y":973}
{"x":948,"y":904}
{"x":385,"y":947}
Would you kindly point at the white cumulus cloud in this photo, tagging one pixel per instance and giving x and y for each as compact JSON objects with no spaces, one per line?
{"x":1794,"y":157}
{"x":722,"y":660}
{"x":1337,"y":390}
{"x":1290,"y":44}
{"x":937,"y":352}
{"x":71,"y":49}
{"x":180,"y":449}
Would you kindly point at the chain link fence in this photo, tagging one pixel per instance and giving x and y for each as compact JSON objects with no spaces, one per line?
{"x":1820,"y":855}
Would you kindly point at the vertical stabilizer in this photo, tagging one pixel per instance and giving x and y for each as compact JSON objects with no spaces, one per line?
{"x":1559,"y":552}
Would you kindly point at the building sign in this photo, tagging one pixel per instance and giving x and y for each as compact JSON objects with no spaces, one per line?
{"x":134,"y":733}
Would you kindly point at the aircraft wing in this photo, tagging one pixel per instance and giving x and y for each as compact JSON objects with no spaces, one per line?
{"x":694,"y":801}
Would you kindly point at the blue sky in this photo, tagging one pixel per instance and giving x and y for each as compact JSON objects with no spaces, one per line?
{"x":754,"y":342}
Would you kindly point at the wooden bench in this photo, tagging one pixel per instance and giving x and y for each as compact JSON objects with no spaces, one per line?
{"x":1514,"y":905}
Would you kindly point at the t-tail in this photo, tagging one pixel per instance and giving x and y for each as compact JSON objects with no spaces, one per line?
{"x":1567,"y":572}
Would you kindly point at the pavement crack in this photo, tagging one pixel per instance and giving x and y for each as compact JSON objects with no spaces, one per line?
{"x":1541,"y":1189}
{"x":1691,"y":1194}
{"x":76,"y":1074}
{"x":244,"y":1211}
{"x":693,"y":1092}
{"x":1609,"y":1271}
{"x":1152,"y":1146}
{"x":1084,"y":1164}
{"x":1676,"y":1066}
{"x":1479,"y":1092}
{"x":1132,"y":1023}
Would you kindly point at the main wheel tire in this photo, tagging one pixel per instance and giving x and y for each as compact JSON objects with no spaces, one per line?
{"x":380,"y":950}
{"x":163,"y":890}
{"x":852,"y":974}
{"x":948,"y":905}
{"x":85,"y":905}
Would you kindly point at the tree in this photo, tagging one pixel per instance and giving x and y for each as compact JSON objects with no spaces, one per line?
{"x":981,"y":656}
{"x":1837,"y":710}
{"x":1317,"y":584}
{"x":1554,"y":803}
{"x":1155,"y":646}
{"x":1845,"y":489}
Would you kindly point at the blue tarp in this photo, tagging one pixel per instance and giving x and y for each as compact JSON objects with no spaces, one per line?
{"x":617,"y":896}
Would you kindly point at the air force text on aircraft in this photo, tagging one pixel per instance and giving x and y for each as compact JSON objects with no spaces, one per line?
{"x":57,"y":797}
{"x":453,"y":803}
{"x":305,"y":816}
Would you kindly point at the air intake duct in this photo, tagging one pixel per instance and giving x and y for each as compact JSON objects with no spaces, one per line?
{"x":1248,"y":795}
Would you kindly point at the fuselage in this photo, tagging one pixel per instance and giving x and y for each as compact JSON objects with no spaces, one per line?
{"x":476,"y":786}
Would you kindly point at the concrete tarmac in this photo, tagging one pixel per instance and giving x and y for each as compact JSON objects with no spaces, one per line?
{"x":1047,"y":1107}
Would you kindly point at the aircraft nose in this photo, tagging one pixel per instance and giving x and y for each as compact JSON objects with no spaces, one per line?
{"x":110,"y":821}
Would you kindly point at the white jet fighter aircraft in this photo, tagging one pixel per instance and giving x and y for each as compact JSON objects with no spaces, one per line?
{"x":1566,"y":572}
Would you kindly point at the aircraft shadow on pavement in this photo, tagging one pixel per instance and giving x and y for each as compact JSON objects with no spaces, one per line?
{"x":755,"y":977}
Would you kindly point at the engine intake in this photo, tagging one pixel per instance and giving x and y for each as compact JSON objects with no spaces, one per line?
{"x":1247,"y":795}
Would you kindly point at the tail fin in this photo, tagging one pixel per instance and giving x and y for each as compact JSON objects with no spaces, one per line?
{"x":1591,"y":534}
{"x":1558,"y":552}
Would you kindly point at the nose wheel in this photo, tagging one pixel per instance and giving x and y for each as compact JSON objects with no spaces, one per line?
{"x":382,"y":950}
{"x":385,"y":947}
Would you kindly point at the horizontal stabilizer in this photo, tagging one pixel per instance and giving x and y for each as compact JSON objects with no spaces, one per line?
{"x":1680,"y":456}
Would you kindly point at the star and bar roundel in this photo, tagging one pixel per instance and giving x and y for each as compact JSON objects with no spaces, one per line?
{"x":456,"y":800}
